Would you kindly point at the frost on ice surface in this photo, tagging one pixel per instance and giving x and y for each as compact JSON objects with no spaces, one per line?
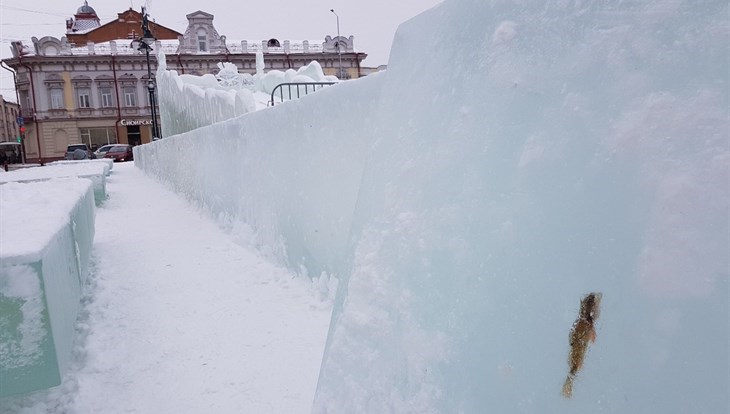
{"x":22,"y":328}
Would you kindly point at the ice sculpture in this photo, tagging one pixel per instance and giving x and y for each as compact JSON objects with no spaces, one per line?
{"x":514,"y":157}
{"x":188,"y":102}
{"x":44,"y":259}
{"x":228,"y":76}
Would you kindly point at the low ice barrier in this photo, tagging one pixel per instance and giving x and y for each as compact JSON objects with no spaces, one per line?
{"x":95,"y":171}
{"x":107,"y":162}
{"x":44,"y":259}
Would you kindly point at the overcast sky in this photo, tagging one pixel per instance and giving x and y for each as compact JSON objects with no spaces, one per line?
{"x":373,"y":23}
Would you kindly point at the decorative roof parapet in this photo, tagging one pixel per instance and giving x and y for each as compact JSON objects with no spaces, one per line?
{"x":51,"y":46}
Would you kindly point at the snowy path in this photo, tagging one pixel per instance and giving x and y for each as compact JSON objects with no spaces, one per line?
{"x":180,"y":319}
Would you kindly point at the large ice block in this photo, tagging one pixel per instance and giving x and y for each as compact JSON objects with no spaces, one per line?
{"x":46,"y":235}
{"x":96,"y":171}
{"x":529,"y":153}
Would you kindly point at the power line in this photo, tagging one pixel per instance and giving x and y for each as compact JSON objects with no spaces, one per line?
{"x":58,"y":14}
{"x":30,"y":24}
{"x":4,"y":6}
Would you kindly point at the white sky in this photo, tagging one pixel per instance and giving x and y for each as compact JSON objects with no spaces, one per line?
{"x":373,"y":23}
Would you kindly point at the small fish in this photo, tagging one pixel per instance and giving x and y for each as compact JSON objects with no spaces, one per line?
{"x":582,"y":333}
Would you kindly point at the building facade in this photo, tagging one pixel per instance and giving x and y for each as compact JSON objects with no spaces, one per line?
{"x":91,"y":86}
{"x":9,"y":128}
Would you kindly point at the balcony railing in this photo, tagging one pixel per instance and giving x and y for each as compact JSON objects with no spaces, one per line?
{"x":28,"y":114}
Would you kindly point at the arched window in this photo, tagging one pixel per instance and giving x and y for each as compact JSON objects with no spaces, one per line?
{"x":273,"y":43}
{"x":202,"y":40}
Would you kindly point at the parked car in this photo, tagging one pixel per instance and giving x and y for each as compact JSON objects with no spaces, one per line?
{"x":79,"y":152}
{"x":102,"y":151}
{"x":10,"y":153}
{"x":120,"y":152}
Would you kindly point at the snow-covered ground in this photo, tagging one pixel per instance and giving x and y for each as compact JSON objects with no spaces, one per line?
{"x":180,"y":318}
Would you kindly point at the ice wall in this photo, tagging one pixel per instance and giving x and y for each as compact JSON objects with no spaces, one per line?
{"x":528,"y":153}
{"x":285,"y":178}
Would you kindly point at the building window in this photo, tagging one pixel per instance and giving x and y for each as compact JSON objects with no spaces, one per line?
{"x":85,"y":135}
{"x":25,"y":102}
{"x":57,"y":99}
{"x":84,"y":95}
{"x":202,"y":41}
{"x":130,"y":96}
{"x":98,"y":137}
{"x":107,"y":100}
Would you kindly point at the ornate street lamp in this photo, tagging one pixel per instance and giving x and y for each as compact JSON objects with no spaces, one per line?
{"x":146,"y":44}
{"x":339,"y":49}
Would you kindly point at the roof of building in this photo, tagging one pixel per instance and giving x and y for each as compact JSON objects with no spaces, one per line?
{"x":86,"y":9}
{"x":83,"y":26}
{"x":85,"y":20}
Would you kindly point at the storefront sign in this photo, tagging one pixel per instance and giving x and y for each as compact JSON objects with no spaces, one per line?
{"x":132,"y":122}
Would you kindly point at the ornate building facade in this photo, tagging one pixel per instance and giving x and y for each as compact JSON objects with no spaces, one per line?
{"x":90,"y":86}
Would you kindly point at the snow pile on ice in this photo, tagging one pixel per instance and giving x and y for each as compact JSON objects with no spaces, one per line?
{"x":514,"y":157}
{"x":188,"y":102}
{"x":94,"y":170}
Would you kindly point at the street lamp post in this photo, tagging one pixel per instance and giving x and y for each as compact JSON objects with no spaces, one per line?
{"x":146,"y":44}
{"x":339,"y":49}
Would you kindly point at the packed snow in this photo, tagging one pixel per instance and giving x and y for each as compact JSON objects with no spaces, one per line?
{"x":184,"y":319}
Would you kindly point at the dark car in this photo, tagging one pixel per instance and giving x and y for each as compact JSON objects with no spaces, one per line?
{"x":120,"y":152}
{"x":79,"y":152}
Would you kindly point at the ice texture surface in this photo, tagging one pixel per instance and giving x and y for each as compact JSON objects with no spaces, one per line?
{"x":284,"y":179}
{"x":44,"y":258}
{"x":545,"y":151}
{"x":514,"y":157}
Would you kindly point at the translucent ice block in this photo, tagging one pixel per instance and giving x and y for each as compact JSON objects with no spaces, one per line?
{"x":46,"y":233}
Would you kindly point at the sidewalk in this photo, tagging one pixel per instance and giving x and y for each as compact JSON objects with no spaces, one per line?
{"x":180,"y":319}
